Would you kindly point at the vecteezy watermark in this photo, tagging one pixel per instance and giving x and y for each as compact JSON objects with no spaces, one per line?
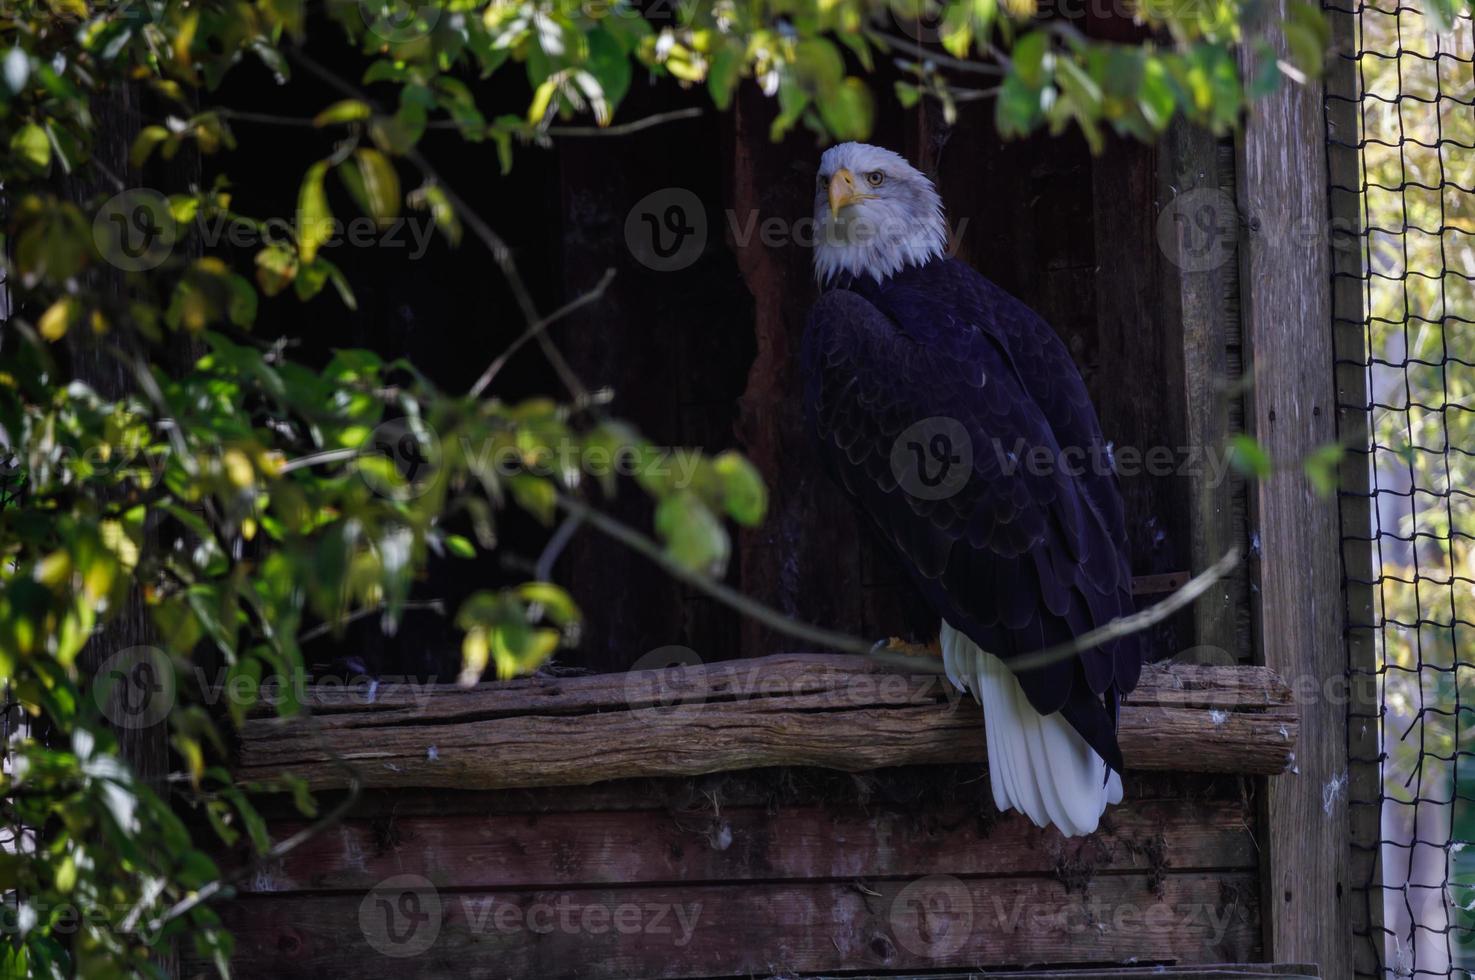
{"x":933,"y":916}
{"x":401,"y":916}
{"x":404,"y":457}
{"x":135,"y":688}
{"x":932,"y":459}
{"x":135,"y":231}
{"x":658,"y":685}
{"x":68,"y":918}
{"x":408,"y":455}
{"x":1197,"y":230}
{"x":577,"y":916}
{"x":398,"y":21}
{"x":667,"y":229}
{"x":806,"y":231}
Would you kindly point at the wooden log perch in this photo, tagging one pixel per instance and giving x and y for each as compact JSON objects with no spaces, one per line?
{"x":833,"y":711}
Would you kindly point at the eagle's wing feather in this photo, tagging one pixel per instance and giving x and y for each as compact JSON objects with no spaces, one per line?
{"x":1021,"y":556}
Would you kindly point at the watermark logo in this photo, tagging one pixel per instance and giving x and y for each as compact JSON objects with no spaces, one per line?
{"x":667,"y":230}
{"x":933,"y":916}
{"x":411,"y":455}
{"x":658,"y":685}
{"x":1197,"y":230}
{"x":920,"y":21}
{"x":134,"y":231}
{"x":401,"y":916}
{"x":398,"y":21}
{"x":135,"y":688}
{"x":932,"y":459}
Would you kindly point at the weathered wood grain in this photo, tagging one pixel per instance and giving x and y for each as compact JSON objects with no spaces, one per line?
{"x":931,"y":923}
{"x":1298,"y":971}
{"x":744,"y":844}
{"x":791,"y":709}
{"x":1299,"y":609}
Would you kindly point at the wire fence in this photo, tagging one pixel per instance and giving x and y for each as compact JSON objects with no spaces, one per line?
{"x":1401,"y":156}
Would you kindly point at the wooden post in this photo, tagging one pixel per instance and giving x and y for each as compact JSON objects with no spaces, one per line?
{"x":1363,"y":897}
{"x":1298,"y":611}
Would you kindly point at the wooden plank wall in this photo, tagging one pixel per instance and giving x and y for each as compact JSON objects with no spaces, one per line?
{"x":1299,"y":607}
{"x":778,"y":872}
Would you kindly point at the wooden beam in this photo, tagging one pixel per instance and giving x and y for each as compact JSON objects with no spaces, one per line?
{"x":1286,"y":277}
{"x":836,"y":712}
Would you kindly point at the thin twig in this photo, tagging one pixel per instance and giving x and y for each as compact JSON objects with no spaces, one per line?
{"x":623,"y":129}
{"x":543,"y":571}
{"x":535,"y":329}
{"x":636,"y":541}
{"x":318,"y":459}
{"x":323,"y":629}
{"x":936,"y":57}
{"x":265,"y":118}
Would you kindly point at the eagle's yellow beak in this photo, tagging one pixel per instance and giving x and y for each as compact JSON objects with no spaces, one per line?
{"x":843,"y":192}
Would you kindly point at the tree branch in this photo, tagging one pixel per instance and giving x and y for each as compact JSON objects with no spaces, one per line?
{"x":535,"y":329}
{"x":937,"y":57}
{"x":772,"y":618}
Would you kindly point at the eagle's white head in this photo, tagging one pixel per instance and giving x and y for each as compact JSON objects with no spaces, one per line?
{"x":874,"y":214}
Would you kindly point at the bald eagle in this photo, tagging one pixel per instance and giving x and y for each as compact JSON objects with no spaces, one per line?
{"x":953,"y":416}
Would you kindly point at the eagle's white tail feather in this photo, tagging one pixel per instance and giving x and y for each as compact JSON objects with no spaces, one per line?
{"x":1037,"y":764}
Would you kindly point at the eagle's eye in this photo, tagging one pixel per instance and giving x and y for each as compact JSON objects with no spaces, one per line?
{"x":875,"y":177}
{"x":823,"y":181}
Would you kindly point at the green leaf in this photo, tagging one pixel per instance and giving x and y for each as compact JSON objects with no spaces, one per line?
{"x":349,"y":110}
{"x":460,"y":546}
{"x":1018,"y":109}
{"x":1322,"y":467}
{"x":276,"y":267}
{"x":433,"y":198}
{"x":1248,"y":457}
{"x":144,"y":144}
{"x":535,"y":495}
{"x":314,"y":218}
{"x":58,"y":318}
{"x":538,"y":109}
{"x":847,"y":110}
{"x":694,"y":538}
{"x":555,"y":602}
{"x":724,"y":67}
{"x":743,"y":494}
{"x":373,"y":182}
{"x":1029,"y":58}
{"x":31,"y":148}
{"x":610,"y":65}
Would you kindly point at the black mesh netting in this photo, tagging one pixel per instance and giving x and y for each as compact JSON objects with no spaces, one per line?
{"x":1401,"y":117}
